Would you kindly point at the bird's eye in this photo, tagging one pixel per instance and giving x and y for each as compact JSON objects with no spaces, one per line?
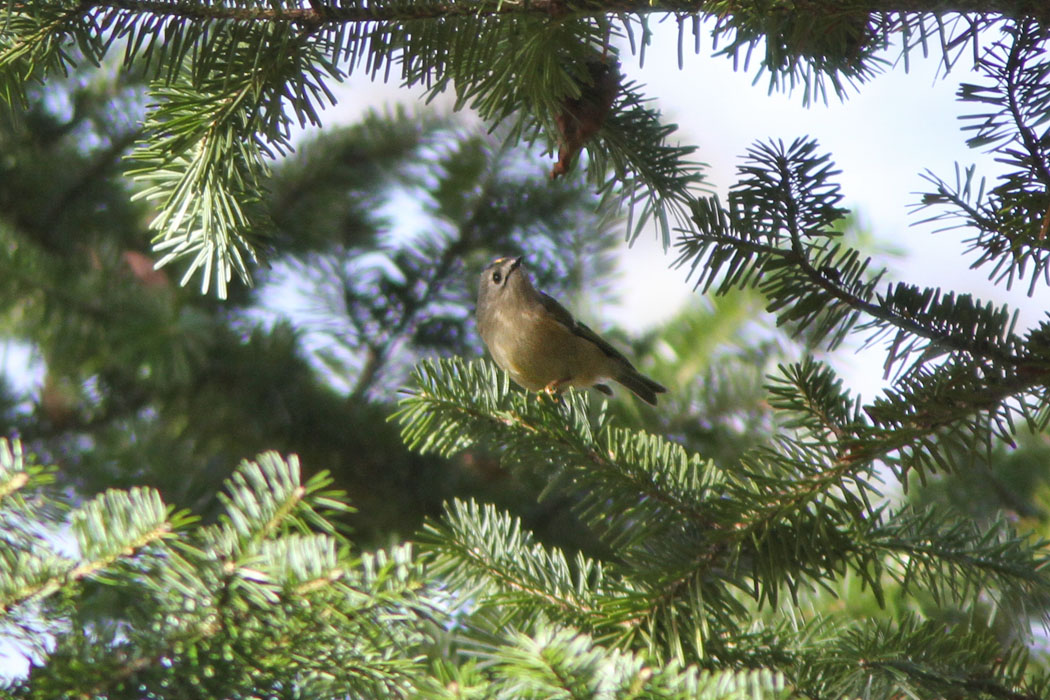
{"x":497,"y":277}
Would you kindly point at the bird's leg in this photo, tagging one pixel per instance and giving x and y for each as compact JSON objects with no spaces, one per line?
{"x":553,"y":390}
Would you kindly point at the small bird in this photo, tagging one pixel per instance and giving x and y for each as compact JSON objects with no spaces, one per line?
{"x":540,"y":344}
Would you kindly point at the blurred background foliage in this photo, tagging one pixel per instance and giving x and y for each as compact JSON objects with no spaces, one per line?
{"x":379,"y":231}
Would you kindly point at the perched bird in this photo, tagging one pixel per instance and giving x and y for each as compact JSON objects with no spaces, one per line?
{"x":541,"y":345}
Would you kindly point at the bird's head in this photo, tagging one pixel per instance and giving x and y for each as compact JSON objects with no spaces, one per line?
{"x":503,"y":280}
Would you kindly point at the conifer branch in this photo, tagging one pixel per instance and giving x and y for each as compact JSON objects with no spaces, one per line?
{"x":523,"y":419}
{"x":1012,"y":218}
{"x":918,"y":658}
{"x":775,"y":235}
{"x":778,"y":497}
{"x":797,"y":257}
{"x":113,"y":526}
{"x":319,"y":13}
{"x":475,"y":542}
{"x":722,"y":564}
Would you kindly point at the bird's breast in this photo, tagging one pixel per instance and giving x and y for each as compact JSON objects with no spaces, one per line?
{"x":537,"y":350}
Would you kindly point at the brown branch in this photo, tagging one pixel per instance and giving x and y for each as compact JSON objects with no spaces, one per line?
{"x":319,"y":13}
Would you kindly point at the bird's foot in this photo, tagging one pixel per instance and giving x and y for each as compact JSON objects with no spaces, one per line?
{"x":553,"y":391}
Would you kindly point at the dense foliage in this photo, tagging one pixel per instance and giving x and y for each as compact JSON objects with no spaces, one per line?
{"x":175,"y":513}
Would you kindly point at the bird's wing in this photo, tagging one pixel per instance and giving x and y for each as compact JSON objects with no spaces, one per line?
{"x":562,"y":315}
{"x":559,"y":312}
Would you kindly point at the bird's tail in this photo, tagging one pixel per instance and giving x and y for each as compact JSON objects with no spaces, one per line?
{"x":643,"y":387}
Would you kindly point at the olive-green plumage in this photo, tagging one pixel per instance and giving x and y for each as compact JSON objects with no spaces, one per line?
{"x":540,"y":344}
